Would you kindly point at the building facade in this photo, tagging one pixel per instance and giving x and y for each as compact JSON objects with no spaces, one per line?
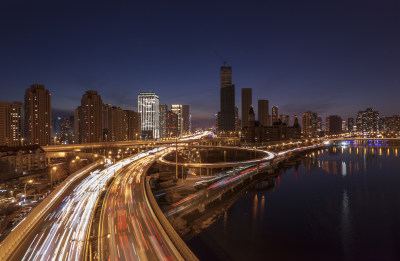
{"x":310,"y":122}
{"x":334,"y":125}
{"x":37,"y":115}
{"x":89,"y":118}
{"x":12,"y":124}
{"x":148,"y":107}
{"x":367,"y":121}
{"x":263,"y":112}
{"x":163,"y":120}
{"x":186,"y":120}
{"x":247,"y":101}
{"x":226,"y":116}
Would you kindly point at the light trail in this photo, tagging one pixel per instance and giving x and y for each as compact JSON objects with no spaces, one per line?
{"x":129,"y":229}
{"x":65,"y":234}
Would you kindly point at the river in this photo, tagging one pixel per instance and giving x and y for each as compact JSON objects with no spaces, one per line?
{"x":340,"y":203}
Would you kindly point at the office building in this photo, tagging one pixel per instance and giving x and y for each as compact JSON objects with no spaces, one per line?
{"x":226,"y":116}
{"x":263,"y":112}
{"x":177,"y":109}
{"x":247,"y":101}
{"x":148,"y":107}
{"x":37,"y":115}
{"x":163,"y":120}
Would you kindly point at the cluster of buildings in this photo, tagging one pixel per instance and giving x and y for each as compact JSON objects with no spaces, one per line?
{"x":31,"y":123}
{"x":367,"y":122}
{"x":274,"y":127}
{"x":158,"y":121}
{"x":268,"y":127}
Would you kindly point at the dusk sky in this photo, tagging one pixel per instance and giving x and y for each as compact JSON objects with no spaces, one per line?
{"x":331,"y":57}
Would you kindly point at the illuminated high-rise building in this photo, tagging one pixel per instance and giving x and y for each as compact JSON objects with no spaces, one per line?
{"x":275,"y":114}
{"x":11,"y":127}
{"x":177,"y":109}
{"x":148,"y":107}
{"x":37,"y":115}
{"x":172,"y":124}
{"x":163,"y":120}
{"x":89,"y":118}
{"x":226,"y":116}
{"x":263,"y":112}
{"x":309,"y":124}
{"x":247,"y":102}
{"x":368,"y":120}
{"x":67,"y":130}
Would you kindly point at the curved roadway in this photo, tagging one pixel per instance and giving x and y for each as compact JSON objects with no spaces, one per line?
{"x":129,"y":229}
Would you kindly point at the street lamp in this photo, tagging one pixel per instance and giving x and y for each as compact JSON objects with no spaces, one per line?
{"x":29,"y":181}
{"x":51,"y":177}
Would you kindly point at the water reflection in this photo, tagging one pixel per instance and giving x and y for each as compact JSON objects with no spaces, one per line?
{"x":350,"y":164}
{"x":339,"y":204}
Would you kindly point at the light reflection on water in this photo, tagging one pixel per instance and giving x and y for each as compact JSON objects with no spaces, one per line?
{"x":338,"y":204}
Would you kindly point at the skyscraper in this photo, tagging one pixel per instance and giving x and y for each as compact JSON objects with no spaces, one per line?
{"x":309,"y":124}
{"x":163,"y":120}
{"x":172,"y":124}
{"x":67,"y":132}
{"x":12,"y":122}
{"x":238,"y":123}
{"x":367,"y":120}
{"x":335,"y":125}
{"x":275,"y":114}
{"x":117,"y":124}
{"x":89,"y":118}
{"x":263,"y":112}
{"x":186,"y":119}
{"x":5,"y":126}
{"x":38,"y":115}
{"x":148,"y":107}
{"x":247,"y":101}
{"x":177,"y":109}
{"x":226,"y":116}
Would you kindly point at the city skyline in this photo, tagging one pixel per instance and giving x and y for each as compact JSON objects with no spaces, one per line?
{"x":116,"y":56}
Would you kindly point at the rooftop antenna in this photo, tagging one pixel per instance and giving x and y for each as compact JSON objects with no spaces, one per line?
{"x":219,"y":56}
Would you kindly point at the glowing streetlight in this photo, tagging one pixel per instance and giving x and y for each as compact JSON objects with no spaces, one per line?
{"x":29,"y":181}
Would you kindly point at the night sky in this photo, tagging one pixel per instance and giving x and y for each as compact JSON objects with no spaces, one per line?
{"x":332,"y":57}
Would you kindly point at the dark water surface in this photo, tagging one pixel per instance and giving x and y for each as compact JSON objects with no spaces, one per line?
{"x":339,"y":204}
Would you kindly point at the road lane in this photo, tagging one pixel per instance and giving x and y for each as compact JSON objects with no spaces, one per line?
{"x":129,"y":229}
